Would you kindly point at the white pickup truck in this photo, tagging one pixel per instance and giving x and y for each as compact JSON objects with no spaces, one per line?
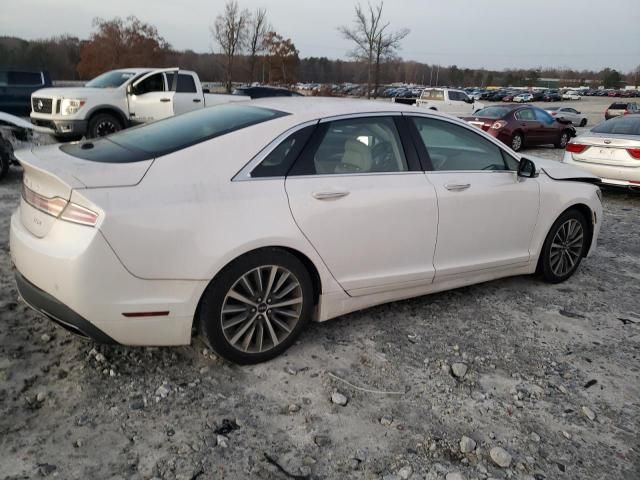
{"x":121,"y":98}
{"x":447,"y":100}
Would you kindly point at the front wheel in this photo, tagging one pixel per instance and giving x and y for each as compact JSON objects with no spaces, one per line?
{"x":103,"y":124}
{"x":564,"y":247}
{"x":583,"y":123}
{"x":564,"y":139}
{"x":257,"y":306}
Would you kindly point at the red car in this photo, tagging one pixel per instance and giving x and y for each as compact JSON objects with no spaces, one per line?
{"x":519,"y":126}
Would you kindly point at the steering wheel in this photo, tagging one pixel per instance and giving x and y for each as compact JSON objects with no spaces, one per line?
{"x":383,"y":158}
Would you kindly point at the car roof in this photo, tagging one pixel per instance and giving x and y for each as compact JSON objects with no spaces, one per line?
{"x":311,"y":108}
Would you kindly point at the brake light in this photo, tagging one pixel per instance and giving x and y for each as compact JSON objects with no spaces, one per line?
{"x":553,"y":114}
{"x":499,"y":124}
{"x":50,"y":205}
{"x":634,"y":152}
{"x":60,"y":208}
{"x":576,"y":147}
{"x":77,"y":214}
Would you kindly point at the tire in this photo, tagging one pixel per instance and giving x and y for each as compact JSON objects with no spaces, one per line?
{"x":560,"y":258}
{"x":251,"y":320}
{"x":583,"y":122}
{"x":5,"y":156}
{"x":103,"y":124}
{"x":563,"y":140}
{"x":517,"y":142}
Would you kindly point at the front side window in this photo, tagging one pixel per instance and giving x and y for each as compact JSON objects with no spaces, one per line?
{"x":452,"y":147}
{"x":154,"y":83}
{"x":361,"y":145}
{"x":543,"y":116}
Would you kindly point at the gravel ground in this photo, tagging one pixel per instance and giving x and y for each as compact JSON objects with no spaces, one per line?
{"x":512,"y":379}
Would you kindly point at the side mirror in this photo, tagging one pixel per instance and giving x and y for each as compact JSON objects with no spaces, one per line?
{"x":527,"y":169}
{"x":579,"y":113}
{"x":206,"y":90}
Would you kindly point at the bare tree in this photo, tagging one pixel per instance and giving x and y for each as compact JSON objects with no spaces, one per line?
{"x":373,"y":41}
{"x":258,"y":29}
{"x":229,"y":31}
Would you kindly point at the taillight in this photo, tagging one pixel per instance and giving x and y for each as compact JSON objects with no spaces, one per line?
{"x":78,"y":214}
{"x":634,"y":152}
{"x":499,"y":124}
{"x":50,"y":205}
{"x":553,"y":114}
{"x":60,"y":208}
{"x":576,"y":147}
{"x":626,"y":111}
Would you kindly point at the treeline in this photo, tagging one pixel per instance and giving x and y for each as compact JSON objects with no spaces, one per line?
{"x":70,"y":58}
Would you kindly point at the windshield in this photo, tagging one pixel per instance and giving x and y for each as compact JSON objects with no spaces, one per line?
{"x":492,"y":112}
{"x":112,"y":79}
{"x":627,"y":125}
{"x":172,"y":134}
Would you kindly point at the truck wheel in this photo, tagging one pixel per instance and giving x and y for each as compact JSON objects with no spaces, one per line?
{"x":103,"y":124}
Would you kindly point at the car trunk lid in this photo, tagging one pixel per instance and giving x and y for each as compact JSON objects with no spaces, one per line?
{"x":51,"y":175}
{"x":607,"y":149}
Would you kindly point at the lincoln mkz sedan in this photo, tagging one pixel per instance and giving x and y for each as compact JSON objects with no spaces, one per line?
{"x":249,"y":220}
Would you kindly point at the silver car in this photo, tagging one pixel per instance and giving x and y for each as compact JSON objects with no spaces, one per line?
{"x":568,"y":113}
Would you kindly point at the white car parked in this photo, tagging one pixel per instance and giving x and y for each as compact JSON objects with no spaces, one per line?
{"x":570,"y":95}
{"x":523,"y":98}
{"x":568,"y":113}
{"x":454,"y":102}
{"x":611,"y":150}
{"x":249,"y":220}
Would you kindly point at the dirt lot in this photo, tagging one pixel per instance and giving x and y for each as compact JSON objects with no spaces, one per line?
{"x":552,"y":376}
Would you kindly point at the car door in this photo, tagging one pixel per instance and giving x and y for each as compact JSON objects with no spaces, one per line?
{"x":150,"y":98}
{"x":530,"y":126}
{"x":548,"y":128}
{"x":487,"y":213}
{"x":360,"y":197}
{"x":188,"y":95}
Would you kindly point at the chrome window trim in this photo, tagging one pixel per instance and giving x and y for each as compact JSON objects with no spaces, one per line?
{"x":245,"y":172}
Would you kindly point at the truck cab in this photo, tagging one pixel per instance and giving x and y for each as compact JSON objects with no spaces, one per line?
{"x":455,"y":102}
{"x":118,"y":99}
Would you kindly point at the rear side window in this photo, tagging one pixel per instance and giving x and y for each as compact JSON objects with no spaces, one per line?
{"x":279,"y":161}
{"x":171,"y":134}
{"x":627,"y":125}
{"x":24,"y":78}
{"x":186,"y":84}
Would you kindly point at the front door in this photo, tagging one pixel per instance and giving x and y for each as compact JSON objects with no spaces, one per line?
{"x":365,"y":205}
{"x":151,"y":98}
{"x":486,"y":212}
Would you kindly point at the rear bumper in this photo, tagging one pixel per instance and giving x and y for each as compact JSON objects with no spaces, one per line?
{"x":63,"y":128}
{"x":58,"y":312}
{"x":72,"y":276}
{"x":620,"y":176}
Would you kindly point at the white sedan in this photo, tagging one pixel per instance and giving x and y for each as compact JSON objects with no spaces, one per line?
{"x":570,"y":114}
{"x":249,"y":220}
{"x":571,"y":95}
{"x":610,"y":150}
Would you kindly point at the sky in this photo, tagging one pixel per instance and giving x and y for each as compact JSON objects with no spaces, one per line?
{"x":493,"y":34}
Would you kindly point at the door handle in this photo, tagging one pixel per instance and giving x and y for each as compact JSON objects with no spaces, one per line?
{"x":165,"y":100}
{"x":457,"y":187}
{"x":196,"y":100}
{"x":329,"y":195}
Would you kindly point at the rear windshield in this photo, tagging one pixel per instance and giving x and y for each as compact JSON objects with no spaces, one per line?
{"x":627,"y":125}
{"x":618,"y":106}
{"x":172,"y":134}
{"x":492,"y":112}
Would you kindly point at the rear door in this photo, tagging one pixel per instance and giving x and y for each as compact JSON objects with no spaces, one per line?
{"x":150,"y":97}
{"x":530,"y":126}
{"x":486,"y":212}
{"x":188,"y":93}
{"x":358,"y":194}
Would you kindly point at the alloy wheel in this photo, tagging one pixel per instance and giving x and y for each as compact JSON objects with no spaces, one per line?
{"x":566,"y":248}
{"x":564,"y":138}
{"x":516,"y":143}
{"x":106,"y":127}
{"x":261,"y":309}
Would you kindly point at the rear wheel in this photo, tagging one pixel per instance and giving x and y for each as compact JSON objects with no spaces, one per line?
{"x":103,"y":124}
{"x":517,"y":142}
{"x":583,"y":123}
{"x":564,"y":247}
{"x":257,"y":306}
